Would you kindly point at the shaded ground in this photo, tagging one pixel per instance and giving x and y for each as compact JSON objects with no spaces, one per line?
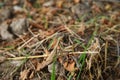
{"x":59,"y":40}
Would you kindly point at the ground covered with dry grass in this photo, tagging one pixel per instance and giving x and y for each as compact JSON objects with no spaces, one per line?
{"x":59,"y":40}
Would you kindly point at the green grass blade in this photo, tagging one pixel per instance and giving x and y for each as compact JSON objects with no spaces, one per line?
{"x":53,"y":70}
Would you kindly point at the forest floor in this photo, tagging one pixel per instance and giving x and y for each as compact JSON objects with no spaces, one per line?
{"x":59,"y":40}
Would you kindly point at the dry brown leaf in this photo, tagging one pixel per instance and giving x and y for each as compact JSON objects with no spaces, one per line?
{"x":40,"y":66}
{"x":70,"y":66}
{"x":59,"y":3}
{"x":15,"y":2}
{"x":108,"y":7}
{"x":48,"y":3}
{"x":34,"y":62}
{"x":45,"y":10}
{"x":76,"y":1}
{"x":46,"y":62}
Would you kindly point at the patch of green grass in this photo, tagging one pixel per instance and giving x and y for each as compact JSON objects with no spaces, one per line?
{"x":83,"y":56}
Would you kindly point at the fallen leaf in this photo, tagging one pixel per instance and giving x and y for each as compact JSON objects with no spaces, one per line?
{"x":46,"y":62}
{"x":45,"y":10}
{"x":69,"y":66}
{"x":15,"y":2}
{"x":76,"y":1}
{"x":48,"y":3}
{"x":59,"y":3}
{"x":108,"y":7}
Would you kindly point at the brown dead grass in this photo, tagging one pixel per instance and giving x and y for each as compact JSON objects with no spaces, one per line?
{"x":54,"y":34}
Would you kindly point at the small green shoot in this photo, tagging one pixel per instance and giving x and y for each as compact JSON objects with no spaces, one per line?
{"x":53,"y":69}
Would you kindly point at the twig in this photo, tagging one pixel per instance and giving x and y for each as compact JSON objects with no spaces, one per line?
{"x":106,"y":47}
{"x":118,"y":49}
{"x":39,"y":56}
{"x":27,"y":42}
{"x":69,"y":30}
{"x":40,"y":42}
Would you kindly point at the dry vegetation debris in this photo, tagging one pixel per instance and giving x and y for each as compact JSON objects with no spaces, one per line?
{"x":59,"y":40}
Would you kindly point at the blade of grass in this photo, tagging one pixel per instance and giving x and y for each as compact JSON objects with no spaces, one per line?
{"x":54,"y":60}
{"x":70,"y":77}
{"x":83,"y":56}
{"x":53,"y":69}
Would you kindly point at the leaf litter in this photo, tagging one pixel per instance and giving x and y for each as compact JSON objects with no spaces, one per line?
{"x":82,"y":35}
